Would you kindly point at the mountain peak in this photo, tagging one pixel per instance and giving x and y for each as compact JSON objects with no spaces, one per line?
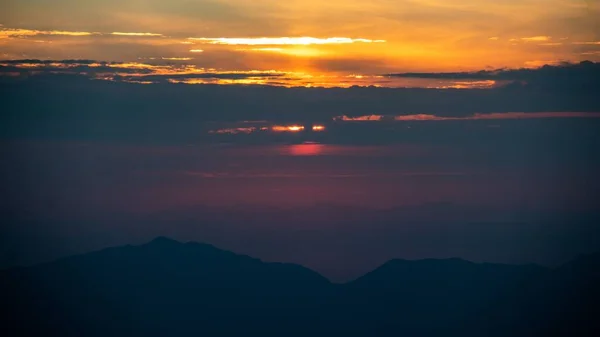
{"x":163,"y":240}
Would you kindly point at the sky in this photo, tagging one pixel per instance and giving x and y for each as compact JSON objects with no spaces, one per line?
{"x":336,"y":134}
{"x":306,"y":37}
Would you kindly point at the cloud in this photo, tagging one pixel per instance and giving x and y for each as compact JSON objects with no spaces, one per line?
{"x":137,"y":34}
{"x":564,"y":75}
{"x":20,"y":33}
{"x":416,"y":32}
{"x":476,"y":116}
{"x":540,"y":38}
{"x":161,"y":70}
{"x":177,"y":58}
{"x":281,"y":41}
{"x":142,"y":73}
{"x":95,"y":99}
{"x":580,"y":75}
{"x":16,"y":33}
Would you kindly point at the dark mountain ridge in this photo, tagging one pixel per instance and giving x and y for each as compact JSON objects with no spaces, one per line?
{"x":170,"y":288}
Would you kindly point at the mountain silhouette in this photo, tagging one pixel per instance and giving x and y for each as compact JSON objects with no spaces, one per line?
{"x":168,"y":288}
{"x":561,"y":302}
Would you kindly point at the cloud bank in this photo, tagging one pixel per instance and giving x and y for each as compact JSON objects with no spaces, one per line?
{"x":154,"y":102}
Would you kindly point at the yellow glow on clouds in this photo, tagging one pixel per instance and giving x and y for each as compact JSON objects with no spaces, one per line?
{"x":348,"y":35}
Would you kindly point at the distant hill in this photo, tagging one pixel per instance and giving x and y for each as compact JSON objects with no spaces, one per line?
{"x":168,"y":288}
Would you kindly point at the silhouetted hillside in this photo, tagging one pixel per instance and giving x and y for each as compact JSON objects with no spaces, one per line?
{"x":162,"y":288}
{"x":413,"y":297}
{"x":167,"y":288}
{"x":561,"y":302}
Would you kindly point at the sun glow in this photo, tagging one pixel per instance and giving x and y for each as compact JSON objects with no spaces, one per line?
{"x":306,"y":149}
{"x":293,"y":51}
{"x":287,"y":128}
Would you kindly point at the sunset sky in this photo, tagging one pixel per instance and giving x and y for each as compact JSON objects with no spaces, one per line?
{"x":337,"y":134}
{"x":348,"y":37}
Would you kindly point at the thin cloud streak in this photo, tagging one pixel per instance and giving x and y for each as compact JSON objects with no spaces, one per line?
{"x":477,"y":116}
{"x":305,"y":175}
{"x":536,"y":38}
{"x":176,"y":58}
{"x":17,"y":32}
{"x":20,"y":33}
{"x":136,"y":34}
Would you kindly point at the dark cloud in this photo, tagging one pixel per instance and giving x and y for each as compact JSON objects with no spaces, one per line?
{"x":45,"y":62}
{"x":51,"y":102}
{"x":162,"y":70}
{"x":584,"y":75}
{"x":216,"y":75}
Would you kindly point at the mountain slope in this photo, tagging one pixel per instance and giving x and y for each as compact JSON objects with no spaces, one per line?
{"x":431,"y":297}
{"x":562,"y":302}
{"x":167,"y":288}
{"x":160,"y":288}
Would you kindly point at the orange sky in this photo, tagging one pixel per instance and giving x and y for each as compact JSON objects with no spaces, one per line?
{"x":310,"y":36}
